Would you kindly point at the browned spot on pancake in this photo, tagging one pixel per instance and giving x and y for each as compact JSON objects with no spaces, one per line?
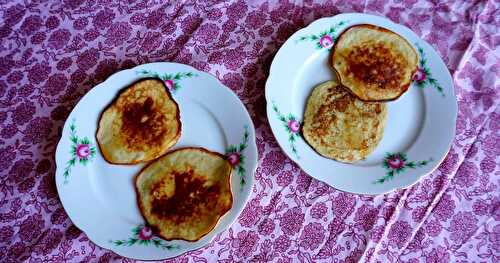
{"x":376,"y":64}
{"x":326,"y":113}
{"x":340,"y":104}
{"x":189,"y":200}
{"x":323,"y":119}
{"x":368,"y":114}
{"x":143,"y":124}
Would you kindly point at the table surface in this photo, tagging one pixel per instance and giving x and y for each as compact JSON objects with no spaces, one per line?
{"x":53,"y":52}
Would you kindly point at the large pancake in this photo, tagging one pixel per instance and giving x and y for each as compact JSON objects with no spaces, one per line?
{"x":140,"y":125}
{"x":374,"y":63}
{"x":183,"y":194}
{"x":340,"y":126}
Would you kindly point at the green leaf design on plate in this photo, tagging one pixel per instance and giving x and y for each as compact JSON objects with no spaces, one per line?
{"x":171,"y":79}
{"x":144,"y":239}
{"x":236,"y":156}
{"x":82,"y":150}
{"x":423,"y":76}
{"x":289,"y":121}
{"x":397,"y":163}
{"x":324,"y":39}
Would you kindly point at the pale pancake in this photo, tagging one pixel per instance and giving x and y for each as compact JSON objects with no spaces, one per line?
{"x":183,"y":194}
{"x":140,"y":125}
{"x":340,"y":126}
{"x":374,"y":63}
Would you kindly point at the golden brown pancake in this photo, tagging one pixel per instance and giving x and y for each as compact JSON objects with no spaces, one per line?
{"x":183,"y":194}
{"x":140,"y":125}
{"x":340,"y":126}
{"x":374,"y":63}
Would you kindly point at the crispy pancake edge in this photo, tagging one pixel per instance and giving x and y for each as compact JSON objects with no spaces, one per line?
{"x":341,"y":158}
{"x":177,"y":117}
{"x":404,"y":88}
{"x":141,"y":208}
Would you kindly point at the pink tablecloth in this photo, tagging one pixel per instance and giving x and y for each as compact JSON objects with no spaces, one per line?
{"x":52,"y":52}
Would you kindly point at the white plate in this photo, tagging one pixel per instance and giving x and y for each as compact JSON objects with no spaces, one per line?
{"x":100,"y":197}
{"x":420,"y":125}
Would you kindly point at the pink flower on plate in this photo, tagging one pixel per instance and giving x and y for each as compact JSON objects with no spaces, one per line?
{"x":170,"y":84}
{"x":326,"y":41}
{"x":83,"y":151}
{"x":234,"y":158}
{"x":145,"y":233}
{"x":396,"y":162}
{"x":420,"y":75}
{"x":294,"y":125}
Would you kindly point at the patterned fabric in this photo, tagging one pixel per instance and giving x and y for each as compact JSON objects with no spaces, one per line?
{"x":52,"y":52}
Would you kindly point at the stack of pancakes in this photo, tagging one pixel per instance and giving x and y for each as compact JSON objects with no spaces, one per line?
{"x":181,"y":194}
{"x":344,"y":119}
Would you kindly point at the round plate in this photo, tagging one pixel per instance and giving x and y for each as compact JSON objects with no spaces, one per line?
{"x":100,"y":198}
{"x":420,"y":124}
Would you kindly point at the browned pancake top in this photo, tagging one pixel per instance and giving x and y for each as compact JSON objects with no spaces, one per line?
{"x":183,"y":194}
{"x":140,"y":125}
{"x":340,"y":126}
{"x":323,"y":118}
{"x":143,"y":123}
{"x":376,"y":64}
{"x":191,"y":193}
{"x":339,"y":99}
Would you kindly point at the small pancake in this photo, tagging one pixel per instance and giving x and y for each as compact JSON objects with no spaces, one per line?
{"x":340,"y":126}
{"x":183,"y":194}
{"x":374,"y":63}
{"x":140,"y":125}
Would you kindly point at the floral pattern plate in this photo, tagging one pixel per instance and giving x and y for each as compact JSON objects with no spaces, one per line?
{"x":100,"y":197}
{"x":420,"y":125}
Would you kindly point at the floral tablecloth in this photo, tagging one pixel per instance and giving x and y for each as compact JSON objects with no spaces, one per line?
{"x":52,"y":52}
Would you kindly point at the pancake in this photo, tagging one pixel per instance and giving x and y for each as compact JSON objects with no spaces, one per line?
{"x":140,"y":125}
{"x":183,"y":194}
{"x":374,"y":63}
{"x":339,"y":126}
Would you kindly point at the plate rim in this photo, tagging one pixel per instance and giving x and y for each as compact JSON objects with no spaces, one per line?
{"x":385,"y":20}
{"x":250,"y":173}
